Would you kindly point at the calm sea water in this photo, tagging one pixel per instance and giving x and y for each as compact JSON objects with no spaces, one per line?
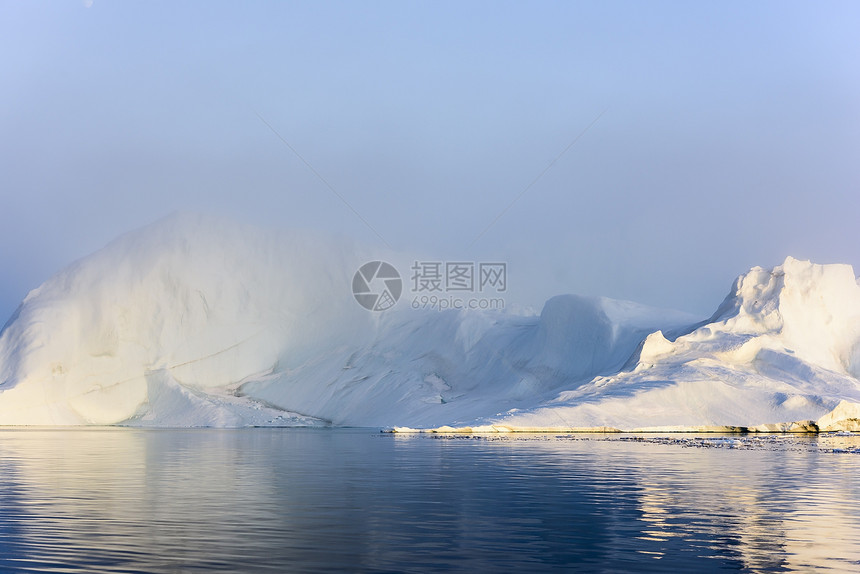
{"x":293,"y":500}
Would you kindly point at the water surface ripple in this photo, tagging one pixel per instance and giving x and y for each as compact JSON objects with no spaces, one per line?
{"x":302,"y":500}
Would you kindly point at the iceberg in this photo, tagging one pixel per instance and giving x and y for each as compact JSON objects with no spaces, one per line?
{"x":186,"y":308}
{"x":780,"y":352}
{"x":201,"y":321}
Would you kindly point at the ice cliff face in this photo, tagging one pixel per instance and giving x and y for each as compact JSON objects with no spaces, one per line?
{"x":807,"y":310}
{"x":197,"y":321}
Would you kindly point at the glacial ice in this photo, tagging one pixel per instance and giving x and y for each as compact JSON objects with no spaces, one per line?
{"x":200,"y":321}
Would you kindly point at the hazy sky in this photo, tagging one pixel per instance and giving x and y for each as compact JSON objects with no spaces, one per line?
{"x":730,"y":134}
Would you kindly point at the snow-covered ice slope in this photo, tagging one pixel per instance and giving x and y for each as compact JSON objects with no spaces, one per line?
{"x":198,"y":321}
{"x":185,"y":308}
{"x":784,"y":346}
{"x":433,"y":368}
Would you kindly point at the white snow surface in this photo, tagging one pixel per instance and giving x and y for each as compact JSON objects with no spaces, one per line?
{"x":186,"y":308}
{"x":200,"y":321}
{"x":784,"y":346}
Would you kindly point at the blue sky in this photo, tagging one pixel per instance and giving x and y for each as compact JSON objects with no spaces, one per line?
{"x":729,"y":133}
